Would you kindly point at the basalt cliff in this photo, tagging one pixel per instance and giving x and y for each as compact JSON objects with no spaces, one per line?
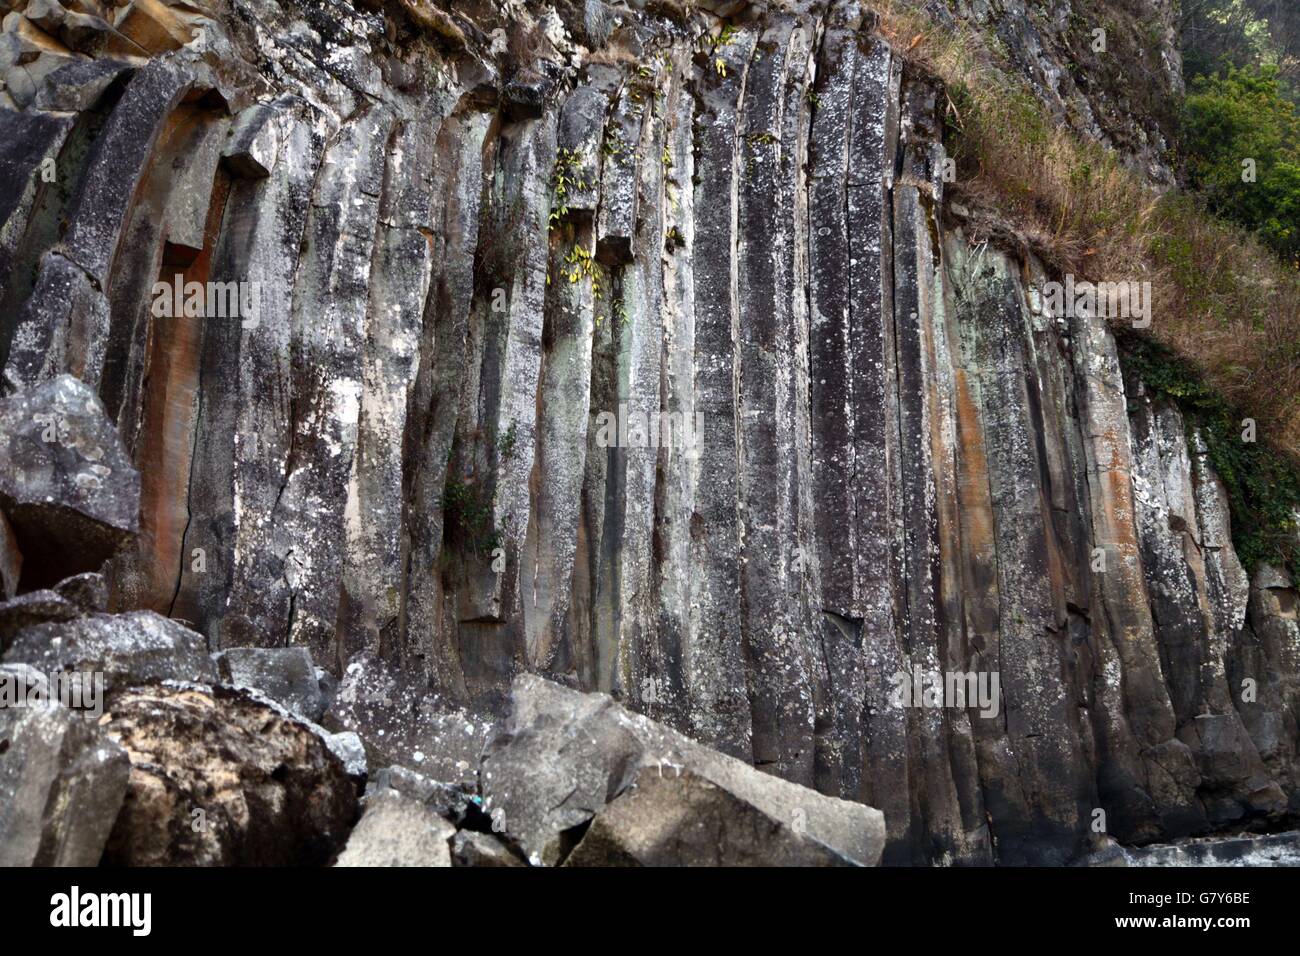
{"x":633,"y":345}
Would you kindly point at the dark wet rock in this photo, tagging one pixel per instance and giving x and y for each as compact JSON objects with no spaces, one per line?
{"x":88,"y":591}
{"x":219,"y":778}
{"x":471,"y":848}
{"x":128,"y":649}
{"x":566,"y":757}
{"x":68,"y":487}
{"x":11,"y":559}
{"x":62,"y":783}
{"x":397,"y":831}
{"x":34,"y":607}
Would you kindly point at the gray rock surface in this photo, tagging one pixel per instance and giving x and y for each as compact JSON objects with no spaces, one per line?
{"x":565,"y":758}
{"x":62,"y":783}
{"x":68,"y":488}
{"x":477,"y":231}
{"x":128,"y":649}
{"x":397,"y":831}
{"x":285,"y":674}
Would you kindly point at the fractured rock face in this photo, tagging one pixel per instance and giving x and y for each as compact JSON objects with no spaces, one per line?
{"x":219,"y":778}
{"x":479,"y":231}
{"x":68,"y":487}
{"x":62,"y":782}
{"x":567,"y":757}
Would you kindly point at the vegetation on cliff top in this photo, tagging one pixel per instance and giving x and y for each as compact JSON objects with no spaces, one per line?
{"x":1225,"y":336}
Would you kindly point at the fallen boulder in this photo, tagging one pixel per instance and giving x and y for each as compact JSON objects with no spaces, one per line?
{"x":128,"y":649}
{"x":398,"y":831}
{"x":62,"y":783}
{"x":221,"y":778}
{"x":669,"y":817}
{"x":68,"y":487}
{"x":566,"y":757}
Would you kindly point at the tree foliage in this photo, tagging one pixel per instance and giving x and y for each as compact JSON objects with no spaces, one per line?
{"x":1242,"y":142}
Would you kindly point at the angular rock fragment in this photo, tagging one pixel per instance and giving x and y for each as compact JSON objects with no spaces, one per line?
{"x":78,"y":85}
{"x":34,"y":607}
{"x":220,"y":778}
{"x":451,"y":803}
{"x":128,"y":649}
{"x":68,"y":486}
{"x":565,"y":756}
{"x":88,"y":591}
{"x":398,"y":831}
{"x":254,"y":142}
{"x":471,"y":848}
{"x":285,"y":674}
{"x":61,"y":785}
{"x":403,"y":723}
{"x":672,"y":817}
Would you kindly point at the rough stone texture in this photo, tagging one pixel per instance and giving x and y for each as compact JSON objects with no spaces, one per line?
{"x":285,"y":674}
{"x":68,"y":487}
{"x":128,"y":649}
{"x":219,"y":778}
{"x":1052,"y":45}
{"x":566,"y":757}
{"x":62,"y":783}
{"x":1279,"y":849}
{"x":471,"y":848}
{"x":903,"y":468}
{"x":34,"y":607}
{"x":676,"y":818}
{"x":397,"y":831}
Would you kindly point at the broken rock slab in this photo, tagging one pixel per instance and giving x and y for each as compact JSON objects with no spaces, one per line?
{"x":68,"y":487}
{"x":285,"y":674}
{"x":141,"y":647}
{"x":220,"y":777}
{"x":566,"y":757}
{"x":396,"y":830}
{"x":403,"y":723}
{"x":676,"y":818}
{"x":62,"y":783}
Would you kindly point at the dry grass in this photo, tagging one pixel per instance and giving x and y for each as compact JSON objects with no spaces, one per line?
{"x":1222,"y":301}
